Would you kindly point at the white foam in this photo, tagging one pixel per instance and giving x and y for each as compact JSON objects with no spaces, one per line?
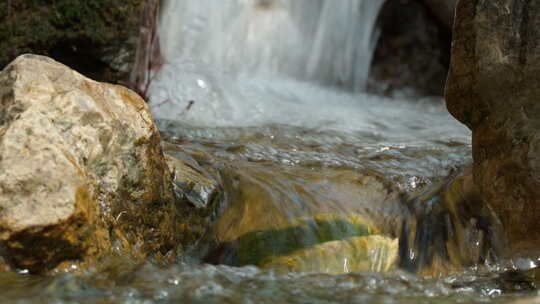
{"x":328,"y":41}
{"x":294,"y":62}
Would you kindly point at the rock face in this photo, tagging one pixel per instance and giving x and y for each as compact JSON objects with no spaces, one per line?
{"x":81,"y":169}
{"x":493,"y":88}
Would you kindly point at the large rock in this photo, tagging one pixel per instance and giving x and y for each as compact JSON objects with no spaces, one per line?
{"x":81,"y":169}
{"x":493,"y":88}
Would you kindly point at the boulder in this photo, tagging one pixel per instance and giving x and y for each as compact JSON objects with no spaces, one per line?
{"x":493,"y":88}
{"x":82,"y":171}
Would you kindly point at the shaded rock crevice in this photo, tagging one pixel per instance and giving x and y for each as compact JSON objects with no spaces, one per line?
{"x":412,"y":53}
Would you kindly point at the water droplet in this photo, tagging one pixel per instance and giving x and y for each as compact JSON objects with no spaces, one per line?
{"x":201,"y":84}
{"x":23,"y":271}
{"x":494,"y":292}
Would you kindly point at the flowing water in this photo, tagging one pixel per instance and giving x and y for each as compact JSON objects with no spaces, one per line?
{"x":334,"y":193}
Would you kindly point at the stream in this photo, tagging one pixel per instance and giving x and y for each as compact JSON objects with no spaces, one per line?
{"x":268,"y":98}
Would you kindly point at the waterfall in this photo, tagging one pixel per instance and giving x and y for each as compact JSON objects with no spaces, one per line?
{"x":281,"y":83}
{"x":302,"y":63}
{"x":330,"y":42}
{"x":258,"y":62}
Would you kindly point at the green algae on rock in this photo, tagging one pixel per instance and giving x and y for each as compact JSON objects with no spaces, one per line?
{"x":297,"y":219}
{"x":366,"y":253}
{"x":97,"y":38}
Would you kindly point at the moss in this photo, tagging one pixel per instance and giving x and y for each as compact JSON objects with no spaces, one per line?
{"x":260,"y":246}
{"x":88,"y":35}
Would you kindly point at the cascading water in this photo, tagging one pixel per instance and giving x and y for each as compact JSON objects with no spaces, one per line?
{"x":320,"y":180}
{"x":242,"y":63}
{"x":330,"y":42}
{"x":280,"y":82}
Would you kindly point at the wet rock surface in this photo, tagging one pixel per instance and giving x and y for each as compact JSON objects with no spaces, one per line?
{"x":81,"y":170}
{"x":200,"y":190}
{"x":191,"y":181}
{"x":293,"y":229}
{"x":450,"y":228}
{"x":338,"y":221}
{"x":492,"y":88}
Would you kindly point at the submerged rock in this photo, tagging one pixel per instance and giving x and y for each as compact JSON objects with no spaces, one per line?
{"x":493,"y":89}
{"x":343,"y":220}
{"x":81,"y":170}
{"x":367,"y":253}
{"x":450,"y":228}
{"x":297,"y":219}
